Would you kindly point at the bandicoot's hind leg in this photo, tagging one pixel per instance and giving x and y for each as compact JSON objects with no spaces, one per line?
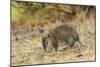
{"x":71,"y":42}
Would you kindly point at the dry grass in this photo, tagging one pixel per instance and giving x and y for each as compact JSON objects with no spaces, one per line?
{"x":29,"y":50}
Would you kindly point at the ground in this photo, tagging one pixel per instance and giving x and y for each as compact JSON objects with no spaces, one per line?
{"x":29,"y":50}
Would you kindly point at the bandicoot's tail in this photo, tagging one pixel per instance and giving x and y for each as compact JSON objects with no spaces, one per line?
{"x":81,"y":44}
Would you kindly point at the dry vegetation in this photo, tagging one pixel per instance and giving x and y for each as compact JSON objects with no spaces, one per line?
{"x":28,"y":17}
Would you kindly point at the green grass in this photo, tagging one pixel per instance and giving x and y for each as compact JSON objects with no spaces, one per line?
{"x":36,"y":13}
